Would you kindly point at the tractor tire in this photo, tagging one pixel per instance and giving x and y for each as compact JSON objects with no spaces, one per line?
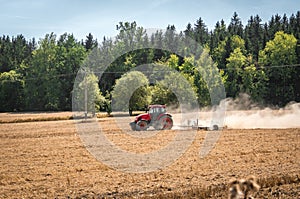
{"x":141,"y":125}
{"x":215,"y":127}
{"x":166,"y":123}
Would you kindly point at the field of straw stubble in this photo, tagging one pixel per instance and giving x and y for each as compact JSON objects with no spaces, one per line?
{"x":47,"y":159}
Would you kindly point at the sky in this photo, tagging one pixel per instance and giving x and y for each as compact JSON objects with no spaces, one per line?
{"x":36,"y":18}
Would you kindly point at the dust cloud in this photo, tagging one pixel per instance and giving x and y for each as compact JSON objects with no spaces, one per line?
{"x":242,"y":113}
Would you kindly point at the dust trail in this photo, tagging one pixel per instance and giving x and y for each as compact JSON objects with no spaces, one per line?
{"x":243,"y":114}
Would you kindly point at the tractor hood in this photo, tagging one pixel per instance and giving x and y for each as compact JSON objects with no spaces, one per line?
{"x":144,"y":116}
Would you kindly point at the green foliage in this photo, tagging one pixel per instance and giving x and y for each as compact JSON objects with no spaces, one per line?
{"x":220,"y":54}
{"x":51,"y":73}
{"x":11,"y":91}
{"x":173,"y":62}
{"x":254,"y":82}
{"x":261,"y":59}
{"x":42,"y":90}
{"x":235,"y":65}
{"x":254,"y":36}
{"x":235,"y":27}
{"x":243,"y":77}
{"x":279,"y":52}
{"x":237,"y":42}
{"x":162,"y":95}
{"x":131,"y":92}
{"x":178,"y":90}
{"x":90,"y":43}
{"x":89,"y":94}
{"x":218,"y":34}
{"x":209,"y":82}
{"x":15,"y":51}
{"x":200,"y":32}
{"x":69,"y":55}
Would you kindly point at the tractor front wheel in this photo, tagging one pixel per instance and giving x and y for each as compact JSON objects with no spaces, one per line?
{"x":141,"y":125}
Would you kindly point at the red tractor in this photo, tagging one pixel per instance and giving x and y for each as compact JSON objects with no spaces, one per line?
{"x":156,"y":117}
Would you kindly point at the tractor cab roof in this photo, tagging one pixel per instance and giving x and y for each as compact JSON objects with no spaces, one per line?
{"x":157,"y":106}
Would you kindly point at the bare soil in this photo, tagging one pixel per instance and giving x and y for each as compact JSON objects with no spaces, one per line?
{"x":47,"y":159}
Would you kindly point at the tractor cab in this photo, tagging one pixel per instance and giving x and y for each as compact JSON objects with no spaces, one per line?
{"x":156,"y":110}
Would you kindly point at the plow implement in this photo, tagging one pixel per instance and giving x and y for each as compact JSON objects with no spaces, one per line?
{"x":195,"y":125}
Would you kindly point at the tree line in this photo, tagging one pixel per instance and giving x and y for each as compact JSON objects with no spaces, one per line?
{"x":260,"y":59}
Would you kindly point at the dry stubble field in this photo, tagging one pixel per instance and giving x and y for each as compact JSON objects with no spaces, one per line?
{"x":47,"y":159}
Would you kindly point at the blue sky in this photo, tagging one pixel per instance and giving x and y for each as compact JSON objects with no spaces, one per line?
{"x":35,"y":18}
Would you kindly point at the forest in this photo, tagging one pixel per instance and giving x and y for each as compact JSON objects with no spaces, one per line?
{"x":261,"y":59}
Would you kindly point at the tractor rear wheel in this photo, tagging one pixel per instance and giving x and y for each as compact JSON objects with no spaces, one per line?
{"x":166,"y":123}
{"x":141,"y":125}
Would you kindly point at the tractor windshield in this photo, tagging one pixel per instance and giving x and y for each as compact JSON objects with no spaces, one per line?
{"x":157,"y":110}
